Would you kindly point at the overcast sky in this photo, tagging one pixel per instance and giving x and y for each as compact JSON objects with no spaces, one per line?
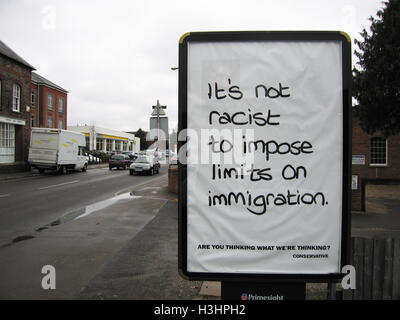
{"x":115,"y":57}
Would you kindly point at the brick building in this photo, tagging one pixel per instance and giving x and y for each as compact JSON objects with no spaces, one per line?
{"x":26,"y":100}
{"x":15,"y":90}
{"x":48,"y":104}
{"x":375,"y":159}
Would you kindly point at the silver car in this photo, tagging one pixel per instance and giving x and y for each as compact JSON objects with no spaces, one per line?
{"x":145,"y":163}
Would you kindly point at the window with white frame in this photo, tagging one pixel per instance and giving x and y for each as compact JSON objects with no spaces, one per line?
{"x":50,"y":102}
{"x":60,"y":105}
{"x":16,"y":106}
{"x":7,"y":142}
{"x":49,"y":123}
{"x":378,"y":156}
{"x":99,"y":144}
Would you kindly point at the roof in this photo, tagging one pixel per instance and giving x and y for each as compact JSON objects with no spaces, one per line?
{"x":9,"y":53}
{"x":38,"y":79}
{"x":104,"y":132}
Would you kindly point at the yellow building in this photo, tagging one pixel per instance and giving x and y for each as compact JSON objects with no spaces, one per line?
{"x":107,"y":140}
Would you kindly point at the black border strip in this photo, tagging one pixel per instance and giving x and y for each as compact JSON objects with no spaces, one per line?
{"x":242,"y":36}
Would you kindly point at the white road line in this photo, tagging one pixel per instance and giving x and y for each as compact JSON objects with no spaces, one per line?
{"x":4,"y":195}
{"x":58,"y":185}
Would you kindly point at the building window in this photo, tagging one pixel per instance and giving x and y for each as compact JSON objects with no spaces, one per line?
{"x":32,"y":121}
{"x":50,"y":102}
{"x":7,"y":142}
{"x":32,"y":98}
{"x":60,"y":105}
{"x":0,"y":95}
{"x":60,"y":124}
{"x":49,"y":123}
{"x":99,"y":144}
{"x":378,"y":151}
{"x":16,"y":98}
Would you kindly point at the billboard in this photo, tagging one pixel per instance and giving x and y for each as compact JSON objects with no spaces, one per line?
{"x":264,"y":190}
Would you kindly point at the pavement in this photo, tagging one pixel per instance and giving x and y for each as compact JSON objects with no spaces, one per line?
{"x":145,"y":264}
{"x":146,"y":268}
{"x":382,"y":216}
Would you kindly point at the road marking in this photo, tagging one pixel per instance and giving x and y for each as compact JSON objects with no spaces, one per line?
{"x":58,"y":185}
{"x":4,"y":195}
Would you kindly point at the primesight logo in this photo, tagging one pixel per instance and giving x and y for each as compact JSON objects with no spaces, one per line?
{"x":250,"y":296}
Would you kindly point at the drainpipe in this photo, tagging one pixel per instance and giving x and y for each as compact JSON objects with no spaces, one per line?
{"x":38,"y":106}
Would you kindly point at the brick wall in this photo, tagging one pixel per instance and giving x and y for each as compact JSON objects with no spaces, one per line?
{"x":45,"y":113}
{"x":173,"y":180}
{"x":12,"y":73}
{"x":368,"y":173}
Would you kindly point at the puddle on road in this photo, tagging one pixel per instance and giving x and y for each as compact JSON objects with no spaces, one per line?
{"x":77,"y":214}
{"x":151,"y":188}
{"x":17,"y":239}
{"x":22,"y":238}
{"x":85,"y":211}
{"x":105,"y":203}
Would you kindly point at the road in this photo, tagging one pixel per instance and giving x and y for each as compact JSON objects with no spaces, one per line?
{"x":76,"y":223}
{"x":30,"y":203}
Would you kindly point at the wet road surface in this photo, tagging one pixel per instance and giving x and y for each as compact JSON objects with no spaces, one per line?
{"x":37,"y":200}
{"x":82,"y":237}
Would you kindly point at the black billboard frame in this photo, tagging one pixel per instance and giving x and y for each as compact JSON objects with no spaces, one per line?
{"x":243,"y":36}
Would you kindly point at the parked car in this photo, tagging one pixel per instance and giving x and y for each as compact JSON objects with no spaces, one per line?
{"x":91,"y":158}
{"x":148,"y":164}
{"x":130,"y":154}
{"x":119,"y":161}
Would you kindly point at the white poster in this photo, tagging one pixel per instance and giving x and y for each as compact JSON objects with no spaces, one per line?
{"x":264,"y":171}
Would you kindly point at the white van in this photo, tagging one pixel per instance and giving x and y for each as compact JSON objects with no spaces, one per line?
{"x":57,"y":150}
